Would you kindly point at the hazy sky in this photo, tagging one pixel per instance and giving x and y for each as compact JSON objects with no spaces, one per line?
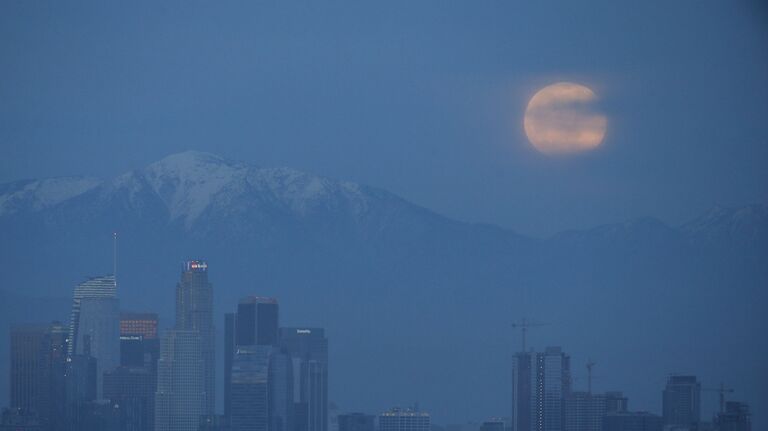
{"x":424,"y":99}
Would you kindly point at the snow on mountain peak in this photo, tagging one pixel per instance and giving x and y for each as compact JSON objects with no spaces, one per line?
{"x":188,"y":182}
{"x":40,"y":194}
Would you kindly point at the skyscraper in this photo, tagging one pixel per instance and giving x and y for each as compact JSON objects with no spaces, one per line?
{"x":250,"y":388}
{"x":681,"y":402}
{"x":736,"y":417}
{"x":229,"y":353}
{"x":257,"y":322}
{"x":396,"y":419}
{"x":194,"y":312}
{"x":308,"y":349}
{"x":139,"y":344}
{"x":180,"y":399}
{"x":551,"y":383}
{"x":38,"y":368}
{"x":522,"y":366}
{"x":584,"y":411}
{"x":99,"y":321}
{"x":94,"y":287}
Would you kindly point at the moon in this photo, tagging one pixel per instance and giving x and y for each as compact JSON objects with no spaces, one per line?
{"x":561,"y":119}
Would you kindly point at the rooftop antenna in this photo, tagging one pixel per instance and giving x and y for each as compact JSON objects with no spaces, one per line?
{"x":524,"y":324}
{"x":114,"y":256}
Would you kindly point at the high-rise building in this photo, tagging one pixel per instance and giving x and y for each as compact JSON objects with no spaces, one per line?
{"x":38,"y":369}
{"x":139,"y":344}
{"x":99,"y":322}
{"x":250,"y":401}
{"x":80,"y":387}
{"x":180,"y":399}
{"x":681,"y":402}
{"x":584,"y":411}
{"x":281,"y":399}
{"x":257,"y":322}
{"x":94,"y":287}
{"x":522,"y":394}
{"x":736,"y":417}
{"x":550,"y":382}
{"x":397,"y":419}
{"x":357,"y":422}
{"x":615,"y":401}
{"x":27,"y":357}
{"x":194,"y":312}
{"x":15,"y":419}
{"x":308,"y":349}
{"x":132,"y":389}
{"x":229,"y":353}
{"x":632,"y":421}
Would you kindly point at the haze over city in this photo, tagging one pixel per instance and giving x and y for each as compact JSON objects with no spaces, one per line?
{"x":415,"y":184}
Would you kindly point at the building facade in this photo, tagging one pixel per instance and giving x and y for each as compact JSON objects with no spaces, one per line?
{"x":194,"y":312}
{"x":681,"y":406}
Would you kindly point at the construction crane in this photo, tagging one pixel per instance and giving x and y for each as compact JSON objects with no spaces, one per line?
{"x":721,"y":390}
{"x":524,"y":325}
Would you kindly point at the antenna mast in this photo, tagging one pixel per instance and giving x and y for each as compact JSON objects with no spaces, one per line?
{"x":114,"y":256}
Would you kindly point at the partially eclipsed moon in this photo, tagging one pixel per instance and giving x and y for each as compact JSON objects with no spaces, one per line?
{"x":560,"y":119}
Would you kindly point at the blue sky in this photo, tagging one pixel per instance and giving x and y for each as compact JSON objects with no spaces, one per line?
{"x":424,"y":99}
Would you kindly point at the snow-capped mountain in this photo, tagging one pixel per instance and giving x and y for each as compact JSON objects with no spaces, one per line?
{"x":37,"y":195}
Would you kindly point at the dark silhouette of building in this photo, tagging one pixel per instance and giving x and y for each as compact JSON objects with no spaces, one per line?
{"x":132,"y":389}
{"x":584,"y":411}
{"x":139,"y":343}
{"x":213,"y":423}
{"x":397,"y":419}
{"x":249,"y":390}
{"x":736,"y":417}
{"x":194,"y":312}
{"x":632,"y":421}
{"x":356,"y":422}
{"x":681,"y":406}
{"x":20,"y":420}
{"x":37,"y":372}
{"x":522,"y":374}
{"x":309,"y":349}
{"x":616,"y":402}
{"x":180,"y":399}
{"x":229,"y":353}
{"x":257,"y":322}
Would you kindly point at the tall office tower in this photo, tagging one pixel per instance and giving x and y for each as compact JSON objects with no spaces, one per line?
{"x":356,"y":422}
{"x":139,"y":344}
{"x":256,"y":322}
{"x":404,"y":420}
{"x":180,"y":399}
{"x":308,"y":348}
{"x":551,"y":383}
{"x":80,"y":385}
{"x":632,"y":421}
{"x":38,"y":361}
{"x":229,"y":353}
{"x":194,"y":311}
{"x":94,"y":287}
{"x":736,"y":417}
{"x":249,"y":390}
{"x":99,"y":321}
{"x":133,"y":390}
{"x":681,"y":406}
{"x":281,"y":399}
{"x":584,"y":411}
{"x":27,"y":357}
{"x":522,"y":395}
{"x":615,"y":401}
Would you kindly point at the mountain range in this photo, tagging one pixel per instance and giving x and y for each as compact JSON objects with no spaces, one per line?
{"x":418,"y":307}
